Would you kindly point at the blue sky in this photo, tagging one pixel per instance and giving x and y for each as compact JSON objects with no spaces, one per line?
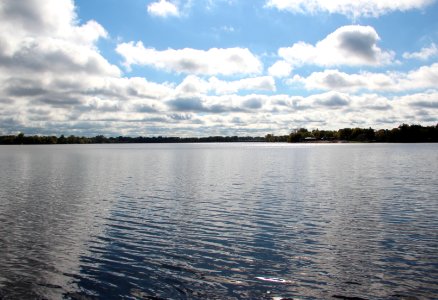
{"x":224,"y":67}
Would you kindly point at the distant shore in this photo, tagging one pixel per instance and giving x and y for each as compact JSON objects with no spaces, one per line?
{"x":402,"y":134}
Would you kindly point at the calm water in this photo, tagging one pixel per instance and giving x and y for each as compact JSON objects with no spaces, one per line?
{"x":205,"y":221}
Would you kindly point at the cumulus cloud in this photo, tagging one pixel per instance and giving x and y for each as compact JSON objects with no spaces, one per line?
{"x":341,"y":81}
{"x":42,"y":37}
{"x":421,"y":100}
{"x":331,"y":99}
{"x":194,"y":85}
{"x":214,"y":61}
{"x":424,"y":54}
{"x":194,"y":104}
{"x":53,"y":74}
{"x":353,"y":9}
{"x":263,"y":83}
{"x":221,"y":105}
{"x":163,"y":8}
{"x":351,"y":45}
{"x":424,"y":77}
{"x":280,"y":68}
{"x":55,"y":81}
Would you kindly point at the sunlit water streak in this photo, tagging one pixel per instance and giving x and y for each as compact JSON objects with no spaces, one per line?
{"x":205,"y":221}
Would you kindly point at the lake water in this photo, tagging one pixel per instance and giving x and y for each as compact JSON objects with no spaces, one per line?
{"x":219,"y":221}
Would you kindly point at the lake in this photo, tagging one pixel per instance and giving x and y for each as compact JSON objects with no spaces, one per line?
{"x":219,"y":221}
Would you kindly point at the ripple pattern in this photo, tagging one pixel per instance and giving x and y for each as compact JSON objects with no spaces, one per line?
{"x":239,"y":221}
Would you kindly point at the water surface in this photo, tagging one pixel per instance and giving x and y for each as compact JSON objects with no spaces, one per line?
{"x":206,"y":221}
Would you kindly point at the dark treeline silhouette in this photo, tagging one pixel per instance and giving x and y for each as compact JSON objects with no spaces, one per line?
{"x":100,"y":139}
{"x":402,"y":134}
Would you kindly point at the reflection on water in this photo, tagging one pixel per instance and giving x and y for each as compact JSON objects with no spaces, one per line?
{"x":219,"y":221}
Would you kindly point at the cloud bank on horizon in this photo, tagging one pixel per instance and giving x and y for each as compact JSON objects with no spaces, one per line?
{"x":227,"y":67}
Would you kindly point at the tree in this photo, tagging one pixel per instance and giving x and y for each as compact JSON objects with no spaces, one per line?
{"x":20,"y":138}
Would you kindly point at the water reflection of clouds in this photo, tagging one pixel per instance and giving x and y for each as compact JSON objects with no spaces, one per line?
{"x":181,"y":221}
{"x":51,"y":206}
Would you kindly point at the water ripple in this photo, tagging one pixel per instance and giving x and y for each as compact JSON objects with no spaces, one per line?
{"x":222,"y":222}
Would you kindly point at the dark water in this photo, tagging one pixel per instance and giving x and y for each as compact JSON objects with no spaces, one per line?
{"x":204,"y":221}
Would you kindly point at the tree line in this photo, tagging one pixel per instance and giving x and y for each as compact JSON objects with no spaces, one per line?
{"x":402,"y":134}
{"x":22,"y":139}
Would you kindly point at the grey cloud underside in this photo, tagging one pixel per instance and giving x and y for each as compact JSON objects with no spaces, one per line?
{"x":336,"y":81}
{"x":133,"y":122}
{"x":24,"y":15}
{"x":197,"y":105}
{"x":426,"y":116}
{"x":146,"y":109}
{"x":6,"y":101}
{"x":24,"y":91}
{"x":61,"y":101}
{"x":181,"y":117}
{"x":359,"y":44}
{"x":253,"y":103}
{"x":134,"y":93}
{"x":429,"y":119}
{"x":188,"y":66}
{"x":389,"y":120}
{"x":187,"y":104}
{"x":386,"y":107}
{"x":425,"y":104}
{"x":333,"y":101}
{"x":32,"y":58}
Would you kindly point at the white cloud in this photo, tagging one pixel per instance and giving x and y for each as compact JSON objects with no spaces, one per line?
{"x":340,"y":81}
{"x":424,"y":54}
{"x":192,"y":86}
{"x":280,"y":68}
{"x":352,"y":45}
{"x":424,"y":77}
{"x":354,"y":9}
{"x":195,"y":86}
{"x":55,"y":81}
{"x":24,"y":21}
{"x":43,"y":36}
{"x":263,"y":83}
{"x":163,"y":8}
{"x":52,"y":74}
{"x":214,"y":61}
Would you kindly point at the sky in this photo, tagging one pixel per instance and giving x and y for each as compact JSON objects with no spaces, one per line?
{"x":215,"y":67}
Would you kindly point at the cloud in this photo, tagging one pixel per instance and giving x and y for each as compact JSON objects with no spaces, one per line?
{"x":253,"y":103}
{"x":424,"y":77}
{"x":163,"y":8}
{"x":187,"y":105}
{"x":55,"y":81}
{"x":427,"y":100}
{"x":340,"y":81}
{"x":331,"y":100}
{"x":219,"y":104}
{"x":50,"y":64}
{"x":194,"y":85}
{"x":228,"y":61}
{"x":55,"y":21}
{"x":352,"y":45}
{"x":352,"y":9}
{"x":263,"y":83}
{"x":280,"y":68}
{"x":426,"y":104}
{"x":42,"y":37}
{"x":424,"y":54}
